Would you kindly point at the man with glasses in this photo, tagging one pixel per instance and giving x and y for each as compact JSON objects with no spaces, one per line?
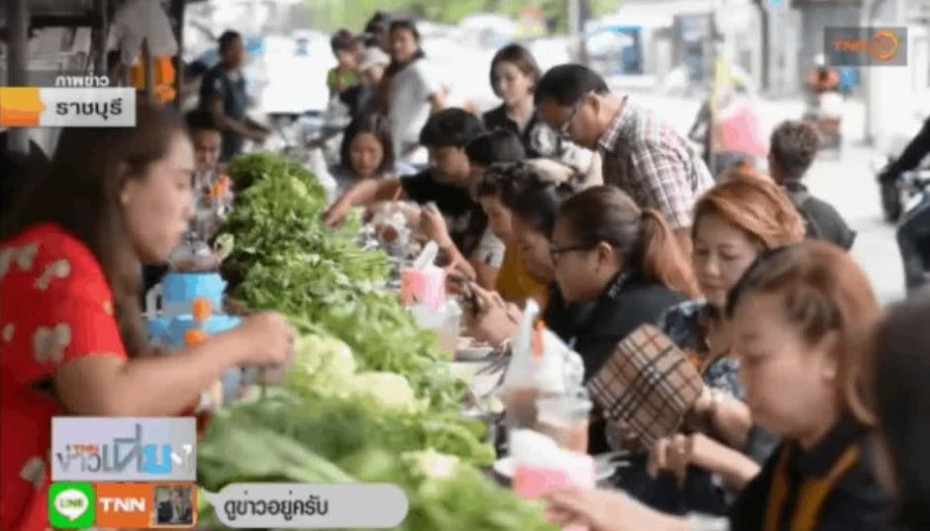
{"x":641,"y":155}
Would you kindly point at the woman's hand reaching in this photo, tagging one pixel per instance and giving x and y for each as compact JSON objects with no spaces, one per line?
{"x":676,"y":454}
{"x":605,"y":510}
{"x":268,"y":339}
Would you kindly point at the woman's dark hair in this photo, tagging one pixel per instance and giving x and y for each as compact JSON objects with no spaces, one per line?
{"x":898,"y":370}
{"x":19,"y":169}
{"x":567,"y":84}
{"x":499,"y":145}
{"x":404,"y":25}
{"x":519,"y":57}
{"x":529,"y":194}
{"x":200,"y":120}
{"x":81,"y":194}
{"x":793,"y":147}
{"x":604,"y":214}
{"x":452,"y":127}
{"x":374,"y":124}
{"x":823,"y":290}
{"x":227,"y":38}
{"x":502,"y":178}
{"x":342,"y":41}
{"x":377,"y":22}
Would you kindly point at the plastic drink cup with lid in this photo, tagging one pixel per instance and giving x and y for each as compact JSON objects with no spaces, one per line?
{"x":520,"y":399}
{"x":565,"y":419}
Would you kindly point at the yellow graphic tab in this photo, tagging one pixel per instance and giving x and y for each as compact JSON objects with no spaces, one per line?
{"x":20,"y":107}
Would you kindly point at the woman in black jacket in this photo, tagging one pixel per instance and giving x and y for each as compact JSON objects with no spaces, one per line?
{"x":623,"y":259}
{"x":900,"y":369}
{"x":800,"y":316}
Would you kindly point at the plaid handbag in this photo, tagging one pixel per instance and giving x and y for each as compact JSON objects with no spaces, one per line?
{"x":647,"y":386}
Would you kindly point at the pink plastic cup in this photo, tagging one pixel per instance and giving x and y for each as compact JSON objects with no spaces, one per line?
{"x":423,"y":286}
{"x":532,"y":483}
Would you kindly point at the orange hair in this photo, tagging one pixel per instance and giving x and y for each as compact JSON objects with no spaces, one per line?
{"x":757,"y":206}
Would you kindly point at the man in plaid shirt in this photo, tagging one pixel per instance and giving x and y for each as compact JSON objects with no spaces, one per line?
{"x":642,"y":155}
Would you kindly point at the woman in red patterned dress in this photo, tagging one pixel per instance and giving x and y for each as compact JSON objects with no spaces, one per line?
{"x":71,"y":335}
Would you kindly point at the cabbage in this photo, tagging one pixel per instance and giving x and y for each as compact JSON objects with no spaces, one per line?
{"x":387,"y":389}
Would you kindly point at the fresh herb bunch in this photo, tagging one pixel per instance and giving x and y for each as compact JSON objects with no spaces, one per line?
{"x":285,"y":259}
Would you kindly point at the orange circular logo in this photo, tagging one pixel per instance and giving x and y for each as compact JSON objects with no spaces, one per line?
{"x":884,"y":46}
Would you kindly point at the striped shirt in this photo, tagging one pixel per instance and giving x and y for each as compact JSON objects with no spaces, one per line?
{"x":646,"y":158}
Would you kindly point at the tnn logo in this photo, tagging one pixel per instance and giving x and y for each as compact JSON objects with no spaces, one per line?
{"x":123,"y":452}
{"x":123,"y":505}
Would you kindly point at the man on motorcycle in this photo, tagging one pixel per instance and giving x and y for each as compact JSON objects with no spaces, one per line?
{"x":824,"y":102}
{"x":823,"y":80}
{"x":914,"y":232}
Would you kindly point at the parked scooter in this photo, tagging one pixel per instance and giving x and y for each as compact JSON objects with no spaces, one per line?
{"x":825,"y":112}
{"x":914,"y":231}
{"x":897,"y":195}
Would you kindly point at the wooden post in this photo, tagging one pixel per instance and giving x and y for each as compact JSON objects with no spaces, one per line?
{"x":177,"y":6}
{"x":17,"y":52}
{"x":149,"y":71}
{"x":99,"y":37}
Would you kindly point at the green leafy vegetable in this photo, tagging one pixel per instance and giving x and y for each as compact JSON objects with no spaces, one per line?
{"x":370,"y":397}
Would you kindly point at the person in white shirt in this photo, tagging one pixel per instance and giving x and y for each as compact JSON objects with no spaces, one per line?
{"x":414,"y":91}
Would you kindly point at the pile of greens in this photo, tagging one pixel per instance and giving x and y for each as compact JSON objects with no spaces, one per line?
{"x":285,"y":259}
{"x":370,"y":397}
{"x":268,"y":441}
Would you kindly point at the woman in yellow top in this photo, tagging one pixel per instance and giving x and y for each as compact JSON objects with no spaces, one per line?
{"x":514,"y":282}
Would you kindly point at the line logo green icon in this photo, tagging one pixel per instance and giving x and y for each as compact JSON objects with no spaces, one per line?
{"x":72,"y":505}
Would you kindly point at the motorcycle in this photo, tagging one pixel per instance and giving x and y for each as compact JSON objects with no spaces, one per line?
{"x":825,"y":112}
{"x":899,"y":196}
{"x":914,"y":222}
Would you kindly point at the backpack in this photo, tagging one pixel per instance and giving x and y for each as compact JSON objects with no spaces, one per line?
{"x":799,"y":198}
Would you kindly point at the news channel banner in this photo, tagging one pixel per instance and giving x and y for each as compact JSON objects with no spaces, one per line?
{"x":141,"y":473}
{"x":67,"y":101}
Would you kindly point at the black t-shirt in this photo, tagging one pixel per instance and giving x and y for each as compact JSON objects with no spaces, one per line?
{"x":539,"y":140}
{"x":822,"y":220}
{"x":627,"y":304}
{"x":464,"y":216}
{"x":856,"y":502}
{"x":229,"y":87}
{"x":358,"y":98}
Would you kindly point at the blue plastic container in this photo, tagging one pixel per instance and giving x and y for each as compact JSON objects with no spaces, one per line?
{"x":217,"y":324}
{"x":180,"y":290}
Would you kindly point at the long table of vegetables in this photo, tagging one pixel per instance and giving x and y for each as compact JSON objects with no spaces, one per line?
{"x":370,"y":397}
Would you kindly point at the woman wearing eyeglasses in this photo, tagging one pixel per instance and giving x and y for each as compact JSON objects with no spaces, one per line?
{"x":622,"y":260}
{"x":800,"y":318}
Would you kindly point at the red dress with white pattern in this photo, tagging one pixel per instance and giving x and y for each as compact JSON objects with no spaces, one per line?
{"x":55,"y":306}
